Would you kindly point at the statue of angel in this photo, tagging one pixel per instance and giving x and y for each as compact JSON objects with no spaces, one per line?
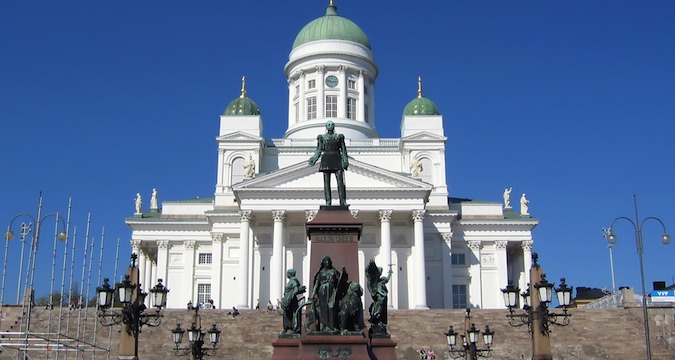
{"x":377,"y":285}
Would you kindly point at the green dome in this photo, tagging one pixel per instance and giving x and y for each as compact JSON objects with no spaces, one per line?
{"x":333,"y":27}
{"x":421,"y":106}
{"x":242,"y":106}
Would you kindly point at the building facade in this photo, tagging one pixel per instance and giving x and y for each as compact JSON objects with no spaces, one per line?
{"x":235,"y":247}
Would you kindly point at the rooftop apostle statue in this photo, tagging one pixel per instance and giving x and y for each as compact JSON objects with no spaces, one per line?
{"x":331,"y":147}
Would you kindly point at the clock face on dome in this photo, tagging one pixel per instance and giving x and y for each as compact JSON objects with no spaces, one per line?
{"x":331,"y":81}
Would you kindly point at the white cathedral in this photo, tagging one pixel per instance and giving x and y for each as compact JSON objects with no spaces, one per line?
{"x":234,"y":248}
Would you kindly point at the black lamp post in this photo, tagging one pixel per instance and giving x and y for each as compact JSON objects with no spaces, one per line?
{"x":132,"y":297}
{"x":537,"y":314}
{"x":196,"y":348}
{"x":469,"y":349}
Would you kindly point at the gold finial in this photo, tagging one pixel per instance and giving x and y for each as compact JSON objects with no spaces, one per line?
{"x":243,"y":87}
{"x":419,"y":86}
{"x":330,"y":3}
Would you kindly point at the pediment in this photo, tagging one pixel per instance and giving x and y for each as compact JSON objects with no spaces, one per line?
{"x":359,"y":177}
{"x":239,"y":136}
{"x":424,"y":136}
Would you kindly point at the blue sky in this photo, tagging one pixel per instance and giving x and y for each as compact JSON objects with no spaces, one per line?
{"x":570,"y":102}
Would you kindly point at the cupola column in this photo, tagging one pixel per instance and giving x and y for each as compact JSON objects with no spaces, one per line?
{"x":420,"y":294}
{"x":321,"y":90}
{"x":342,"y":98}
{"x":361,"y":115}
{"x":301,"y":98}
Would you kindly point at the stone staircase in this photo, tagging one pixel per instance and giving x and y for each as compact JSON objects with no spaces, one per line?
{"x":592,"y":333}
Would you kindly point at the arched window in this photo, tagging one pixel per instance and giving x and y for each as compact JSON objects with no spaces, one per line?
{"x":238,"y":170}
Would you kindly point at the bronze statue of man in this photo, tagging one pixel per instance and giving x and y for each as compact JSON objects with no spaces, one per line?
{"x":331,"y":147}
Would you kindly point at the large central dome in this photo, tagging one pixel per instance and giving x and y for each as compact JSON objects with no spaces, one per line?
{"x":331,"y":27}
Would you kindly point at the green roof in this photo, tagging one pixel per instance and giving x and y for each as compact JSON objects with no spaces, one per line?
{"x":421,"y":106}
{"x":331,"y":27}
{"x":242,"y":106}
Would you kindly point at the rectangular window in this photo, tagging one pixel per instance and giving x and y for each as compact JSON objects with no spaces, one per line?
{"x":331,"y":106}
{"x":205,"y":258}
{"x":459,"y":297}
{"x":458,"y":259}
{"x":203,"y":293}
{"x":365,"y":115}
{"x":296,"y":109}
{"x":351,"y":84}
{"x":311,"y":84}
{"x":351,"y":108}
{"x":297,"y":90}
{"x":311,"y":108}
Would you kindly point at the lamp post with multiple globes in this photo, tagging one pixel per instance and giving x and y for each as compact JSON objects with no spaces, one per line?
{"x":537,"y":315}
{"x":195,"y":349}
{"x":469,"y":349}
{"x":132,"y":314}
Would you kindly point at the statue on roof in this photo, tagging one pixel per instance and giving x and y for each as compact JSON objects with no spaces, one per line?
{"x":333,"y":152}
{"x":138,"y":203}
{"x":524,"y":208}
{"x":507,"y":198}
{"x":153,"y":200}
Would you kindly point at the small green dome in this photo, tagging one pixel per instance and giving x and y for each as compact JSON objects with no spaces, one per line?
{"x":331,"y":26}
{"x":242,"y":105}
{"x":421,"y":105}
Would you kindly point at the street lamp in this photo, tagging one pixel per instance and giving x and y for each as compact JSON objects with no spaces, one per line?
{"x":610,"y":245}
{"x":469,"y":349}
{"x":665,"y":239}
{"x":536,"y":313}
{"x":132,"y":297}
{"x":196,"y":348}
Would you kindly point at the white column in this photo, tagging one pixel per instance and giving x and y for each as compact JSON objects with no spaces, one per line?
{"x":527,"y":263}
{"x":276,"y":263}
{"x":447,"y":270}
{"x":162,"y":260}
{"x":217,"y":268}
{"x":385,"y":246}
{"x":141,"y":264}
{"x":244,"y":244}
{"x":146,"y":280}
{"x":342,"y":98}
{"x":302,"y":99}
{"x":321,"y":96}
{"x":306,"y":277}
{"x":153,"y":277}
{"x":419,"y":261}
{"x":502,"y":266}
{"x":361,"y":115}
{"x":188,"y":273}
{"x":476,"y":285}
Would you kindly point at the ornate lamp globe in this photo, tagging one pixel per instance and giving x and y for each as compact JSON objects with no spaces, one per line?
{"x":510,"y":296}
{"x":193,"y":333}
{"x":125,"y":290}
{"x":487,"y":336}
{"x":104,"y":295}
{"x":214,"y":335}
{"x":451,"y":337}
{"x":159,"y":295}
{"x":564,"y":293}
{"x":545,"y":289}
{"x":177,"y":334}
{"x":473,"y":334}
